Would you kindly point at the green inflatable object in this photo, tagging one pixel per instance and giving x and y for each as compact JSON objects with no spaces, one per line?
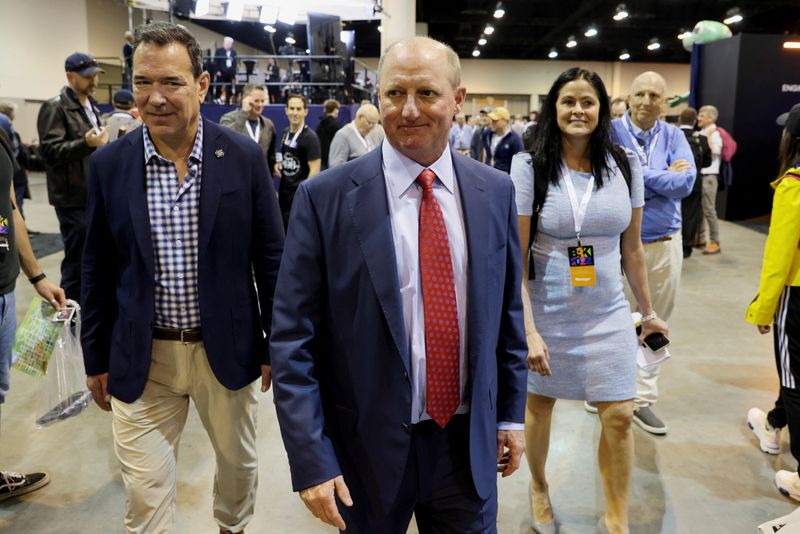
{"x":706,"y":31}
{"x":677,"y":100}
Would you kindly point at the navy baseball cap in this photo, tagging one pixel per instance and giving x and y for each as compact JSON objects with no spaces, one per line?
{"x":83,"y":64}
{"x":124,"y":97}
{"x":791,"y":120}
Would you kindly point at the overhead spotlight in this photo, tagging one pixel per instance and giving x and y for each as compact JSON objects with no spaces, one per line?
{"x":269,"y":14}
{"x":684,"y":34}
{"x":288,"y":13}
{"x":553,"y":53}
{"x":482,"y":41}
{"x":201,"y":8}
{"x":489,"y":29}
{"x":591,"y":32}
{"x":380,"y":28}
{"x":499,"y":11}
{"x":235,"y":10}
{"x":792,"y":45}
{"x":571,"y":42}
{"x":653,"y":44}
{"x":621,"y":13}
{"x":270,"y":28}
{"x":476,"y":53}
{"x":624,"y":56}
{"x":290,"y":38}
{"x":733,"y":15}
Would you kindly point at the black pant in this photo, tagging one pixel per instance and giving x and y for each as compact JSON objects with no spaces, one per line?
{"x":692,"y":214}
{"x":437,"y":488}
{"x":224,"y":81}
{"x":71,"y":221}
{"x":786,"y":334}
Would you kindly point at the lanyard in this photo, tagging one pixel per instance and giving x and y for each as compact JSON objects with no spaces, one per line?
{"x":360,"y":137}
{"x":578,"y":210}
{"x":293,"y":142}
{"x":644,"y":157}
{"x":253,"y":134}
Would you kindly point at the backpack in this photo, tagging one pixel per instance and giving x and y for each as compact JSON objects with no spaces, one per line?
{"x":729,"y":145}
{"x":540,"y":185}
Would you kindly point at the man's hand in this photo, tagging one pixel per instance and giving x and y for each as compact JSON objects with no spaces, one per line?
{"x":763,"y":329}
{"x":679,"y":166}
{"x":320,"y":500}
{"x":508,"y":460}
{"x":95,"y":139}
{"x":277,"y":169}
{"x":266,"y":378}
{"x":98,"y":385}
{"x":538,"y":355}
{"x":51,"y":293}
{"x":247,"y":103}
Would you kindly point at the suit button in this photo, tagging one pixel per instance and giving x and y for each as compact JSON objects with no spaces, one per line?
{"x":406,"y":428}
{"x":405,"y":375}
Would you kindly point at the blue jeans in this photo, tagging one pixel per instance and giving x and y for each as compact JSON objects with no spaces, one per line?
{"x":8,"y":326}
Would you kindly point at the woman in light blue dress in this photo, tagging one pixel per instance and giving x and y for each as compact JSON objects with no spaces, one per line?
{"x":581,"y":338}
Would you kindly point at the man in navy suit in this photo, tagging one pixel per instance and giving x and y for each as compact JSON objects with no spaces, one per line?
{"x":182,"y":220}
{"x":397,"y":346}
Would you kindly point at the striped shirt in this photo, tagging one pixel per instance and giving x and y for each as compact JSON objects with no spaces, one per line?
{"x":174,"y":225}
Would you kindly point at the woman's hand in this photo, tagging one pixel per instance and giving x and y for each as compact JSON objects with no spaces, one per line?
{"x":538,"y":355}
{"x":653,"y":326}
{"x":763,"y":329}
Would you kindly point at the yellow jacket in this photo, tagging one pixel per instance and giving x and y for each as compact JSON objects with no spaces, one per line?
{"x":782,"y":252}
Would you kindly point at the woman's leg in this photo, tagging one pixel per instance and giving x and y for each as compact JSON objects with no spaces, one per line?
{"x":538,"y":413}
{"x":615,"y":457}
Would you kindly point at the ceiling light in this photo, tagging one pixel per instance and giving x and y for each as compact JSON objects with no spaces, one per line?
{"x":794,"y":45}
{"x":553,"y":53}
{"x":476,"y":53}
{"x":499,"y":11}
{"x":288,"y":13}
{"x":270,"y":28}
{"x":733,"y":15}
{"x":591,"y":32}
{"x":482,"y":41}
{"x":571,"y":42}
{"x":624,"y":56}
{"x":653,"y":44}
{"x":269,"y":14}
{"x":489,"y":29}
{"x":380,"y":28}
{"x":235,"y":10}
{"x":290,"y":39}
{"x":201,"y":8}
{"x":621,"y":13}
{"x":684,"y":34}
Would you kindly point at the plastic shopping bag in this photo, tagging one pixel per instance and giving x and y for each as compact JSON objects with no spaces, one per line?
{"x":36,"y":338}
{"x":65,"y":394}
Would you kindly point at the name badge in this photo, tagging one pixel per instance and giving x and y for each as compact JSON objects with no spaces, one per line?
{"x":581,"y":266}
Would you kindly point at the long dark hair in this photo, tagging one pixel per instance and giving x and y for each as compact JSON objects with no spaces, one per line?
{"x":788,"y":153}
{"x":547,"y":152}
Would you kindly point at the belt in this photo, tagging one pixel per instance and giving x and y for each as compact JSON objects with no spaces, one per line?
{"x":188,"y":335}
{"x":665,"y":238}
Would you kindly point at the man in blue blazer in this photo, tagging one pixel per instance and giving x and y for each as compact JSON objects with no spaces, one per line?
{"x":182,"y":219}
{"x":397,"y":345}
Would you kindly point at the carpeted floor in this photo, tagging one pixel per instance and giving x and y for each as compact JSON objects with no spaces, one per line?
{"x":46,"y":244}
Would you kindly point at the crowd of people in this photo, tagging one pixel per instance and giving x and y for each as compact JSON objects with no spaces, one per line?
{"x":348,"y":267}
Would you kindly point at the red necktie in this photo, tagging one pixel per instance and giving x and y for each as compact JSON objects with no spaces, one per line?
{"x":443,"y":385}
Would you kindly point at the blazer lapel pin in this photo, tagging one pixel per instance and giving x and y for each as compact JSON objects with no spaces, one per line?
{"x":219,"y":153}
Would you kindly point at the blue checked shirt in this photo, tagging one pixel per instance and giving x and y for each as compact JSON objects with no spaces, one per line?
{"x":174,"y":225}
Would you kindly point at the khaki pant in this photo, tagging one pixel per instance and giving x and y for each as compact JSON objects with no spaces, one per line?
{"x":147,"y":432}
{"x":710,"y":222}
{"x":664,"y":262}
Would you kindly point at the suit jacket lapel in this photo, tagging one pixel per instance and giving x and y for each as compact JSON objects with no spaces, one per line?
{"x":137,"y":198}
{"x":369,"y":211}
{"x":475,"y":205}
{"x":214,"y":147}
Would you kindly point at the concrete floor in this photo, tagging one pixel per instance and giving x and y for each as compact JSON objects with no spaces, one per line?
{"x":706,"y":476}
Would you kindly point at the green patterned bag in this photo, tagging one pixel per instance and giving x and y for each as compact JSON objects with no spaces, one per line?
{"x":36,"y":338}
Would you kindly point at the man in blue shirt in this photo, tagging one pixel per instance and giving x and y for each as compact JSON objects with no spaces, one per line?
{"x":669,"y":175}
{"x":461,"y":135}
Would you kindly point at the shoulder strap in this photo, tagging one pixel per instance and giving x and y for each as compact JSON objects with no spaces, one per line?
{"x":621,"y":158}
{"x":539,"y":194}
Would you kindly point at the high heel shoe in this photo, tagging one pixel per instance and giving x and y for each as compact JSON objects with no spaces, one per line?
{"x":601,"y":526}
{"x":540,"y":528}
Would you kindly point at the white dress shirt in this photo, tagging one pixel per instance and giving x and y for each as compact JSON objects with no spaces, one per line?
{"x":404,"y":198}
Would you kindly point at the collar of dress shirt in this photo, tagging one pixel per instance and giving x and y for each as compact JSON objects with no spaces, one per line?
{"x":643,"y":134}
{"x":150,"y":148}
{"x":401,"y":171}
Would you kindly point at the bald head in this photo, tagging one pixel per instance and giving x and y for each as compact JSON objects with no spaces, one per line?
{"x":648,"y":95}
{"x":427,"y":48}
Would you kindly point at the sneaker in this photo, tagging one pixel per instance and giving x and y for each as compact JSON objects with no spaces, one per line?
{"x":788,"y":483}
{"x":712,"y":248}
{"x":699,"y":244}
{"x":16,"y":484}
{"x":590,"y":407}
{"x":647,"y":420}
{"x":769,"y":439}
